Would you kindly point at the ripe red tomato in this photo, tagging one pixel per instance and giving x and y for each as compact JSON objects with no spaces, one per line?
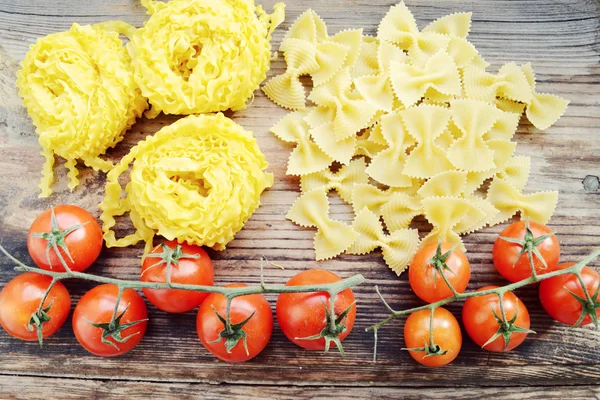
{"x":97,"y":307}
{"x":481,"y":324}
{"x":427,"y":282}
{"x":302,"y":315}
{"x":257,"y":330}
{"x":447,"y":338}
{"x":72,"y":228}
{"x":185,"y":269}
{"x":21,"y":298}
{"x":508,"y":257}
{"x":562,"y":305}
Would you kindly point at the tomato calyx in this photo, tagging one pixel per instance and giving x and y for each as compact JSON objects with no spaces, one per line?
{"x":232,"y":333}
{"x":37,"y":320}
{"x":56,"y":240}
{"x":589,"y":305}
{"x":113,"y":329}
{"x":334,"y":327}
{"x":169,"y":257}
{"x":529,"y":245}
{"x":506,"y":327}
{"x":438,"y":263}
{"x":431,"y":349}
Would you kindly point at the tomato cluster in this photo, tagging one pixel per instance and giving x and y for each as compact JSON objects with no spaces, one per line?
{"x":495,"y":322}
{"x":110,"y":321}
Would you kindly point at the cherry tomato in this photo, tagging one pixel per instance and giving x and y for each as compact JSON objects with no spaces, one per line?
{"x":505,"y":253}
{"x":21,"y":298}
{"x":83,"y":243}
{"x":481,"y":324}
{"x":253,"y":307}
{"x":446,"y":337}
{"x":97,"y":307}
{"x":562,"y":305}
{"x":189,"y":265}
{"x":427,"y":282}
{"x":302,"y":315}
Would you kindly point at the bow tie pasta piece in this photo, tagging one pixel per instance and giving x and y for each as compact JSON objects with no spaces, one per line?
{"x":449,"y":183}
{"x":410,"y":83}
{"x":386,"y":167}
{"x":342,"y":181}
{"x":286,"y":90}
{"x":504,"y":128}
{"x":444,"y":213}
{"x":377,"y":89}
{"x":476,"y":221}
{"x":306,"y":157}
{"x":503,"y":150}
{"x":350,"y":113}
{"x":398,"y":26}
{"x":425,"y":123}
{"x":516,"y":171}
{"x":80,"y":92}
{"x":197,"y":180}
{"x":473,"y":119}
{"x":308,"y":27}
{"x":539,"y":206}
{"x":398,"y":247}
{"x":510,"y":106}
{"x":367,"y":62}
{"x":368,"y":144}
{"x":399,"y":211}
{"x":544,"y":109}
{"x":333,"y":237}
{"x":367,"y":195}
{"x":341,"y":151}
{"x":510,"y":82}
{"x":351,"y":38}
{"x":456,"y":24}
{"x":188,"y":56}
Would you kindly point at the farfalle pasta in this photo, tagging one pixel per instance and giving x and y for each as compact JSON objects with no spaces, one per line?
{"x":196,"y":56}
{"x":79,"y":90}
{"x":197,"y":180}
{"x":416,"y":126}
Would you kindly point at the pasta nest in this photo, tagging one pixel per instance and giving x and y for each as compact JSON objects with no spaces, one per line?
{"x":80,"y":93}
{"x":197,"y":180}
{"x":198,"y":56}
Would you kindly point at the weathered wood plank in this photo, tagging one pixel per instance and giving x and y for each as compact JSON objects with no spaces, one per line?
{"x":561,"y":38}
{"x":28,"y":387}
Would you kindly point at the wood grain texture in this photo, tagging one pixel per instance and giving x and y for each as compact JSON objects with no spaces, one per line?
{"x":560,"y":38}
{"x":26,"y":388}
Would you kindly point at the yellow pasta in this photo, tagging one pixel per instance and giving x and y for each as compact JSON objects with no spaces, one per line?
{"x":387,"y":165}
{"x":367,"y":144}
{"x":477,"y":221}
{"x":187,"y":57}
{"x":510,"y":82}
{"x":398,"y":247}
{"x":306,"y":157}
{"x":342,"y":181}
{"x":197,"y":180}
{"x":308,"y":27}
{"x":539,"y":206}
{"x":503,"y":150}
{"x":449,"y":183}
{"x":333,"y":237}
{"x":457,"y":24}
{"x":425,"y":123}
{"x":367,"y":62}
{"x":340,"y":151}
{"x":350,"y":113}
{"x":400,"y":209}
{"x":543,"y":109}
{"x":80,"y":92}
{"x":516,"y":171}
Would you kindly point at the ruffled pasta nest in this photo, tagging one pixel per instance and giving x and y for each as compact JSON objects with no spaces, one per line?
{"x":80,"y":93}
{"x":198,"y":56}
{"x":198,"y":180}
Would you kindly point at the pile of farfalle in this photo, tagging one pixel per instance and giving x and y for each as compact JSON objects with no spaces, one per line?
{"x":404,"y":124}
{"x":197,"y":180}
{"x":83,"y":88}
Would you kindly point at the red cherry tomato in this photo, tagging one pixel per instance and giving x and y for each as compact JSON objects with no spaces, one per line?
{"x":515,"y":267}
{"x":446,"y":337}
{"x":428,"y":283}
{"x":481,"y":324}
{"x":302,"y":315}
{"x":97,"y":307}
{"x":562,"y":305}
{"x":257,"y":329}
{"x":189,"y":265}
{"x":83,"y":243}
{"x":20,"y":299}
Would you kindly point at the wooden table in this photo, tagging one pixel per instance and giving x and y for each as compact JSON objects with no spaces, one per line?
{"x":560,"y":38}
